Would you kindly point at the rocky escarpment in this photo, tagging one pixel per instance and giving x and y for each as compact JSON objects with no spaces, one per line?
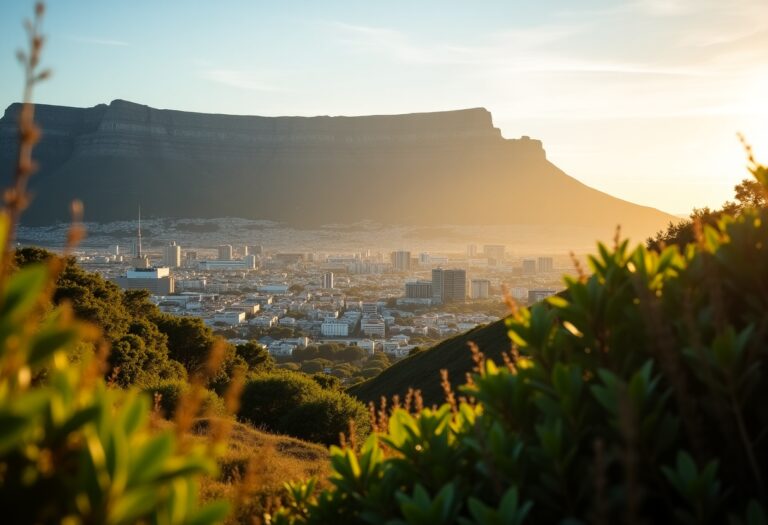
{"x":429,"y":168}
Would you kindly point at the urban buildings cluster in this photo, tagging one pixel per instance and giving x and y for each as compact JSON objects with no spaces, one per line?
{"x":390,"y":302}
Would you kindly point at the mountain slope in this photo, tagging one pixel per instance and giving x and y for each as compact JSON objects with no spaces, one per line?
{"x":448,"y":167}
{"x":422,"y":371}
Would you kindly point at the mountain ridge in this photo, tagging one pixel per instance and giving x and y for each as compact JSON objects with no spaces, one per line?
{"x":450,"y":167}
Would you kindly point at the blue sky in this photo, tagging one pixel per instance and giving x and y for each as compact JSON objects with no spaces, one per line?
{"x":639,"y":98}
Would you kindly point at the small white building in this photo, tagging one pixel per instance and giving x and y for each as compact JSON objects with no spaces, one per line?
{"x":263,"y":321}
{"x":231,"y":318}
{"x":334,"y":328}
{"x":373,"y":325}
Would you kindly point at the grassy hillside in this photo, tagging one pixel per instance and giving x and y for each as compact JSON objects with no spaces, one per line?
{"x":422,"y":371}
{"x":255,"y":467}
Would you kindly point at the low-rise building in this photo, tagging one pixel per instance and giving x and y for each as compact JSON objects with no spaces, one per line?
{"x":334,"y":328}
{"x":231,"y":318}
{"x":373,"y":325}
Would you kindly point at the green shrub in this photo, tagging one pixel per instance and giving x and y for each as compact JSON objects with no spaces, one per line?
{"x":295,"y":404}
{"x":637,"y":396}
{"x":171,"y":392}
{"x":323,"y":418}
{"x":315,"y":366}
{"x":327,"y":381}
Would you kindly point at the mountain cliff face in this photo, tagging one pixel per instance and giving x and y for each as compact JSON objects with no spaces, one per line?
{"x":449,"y":167}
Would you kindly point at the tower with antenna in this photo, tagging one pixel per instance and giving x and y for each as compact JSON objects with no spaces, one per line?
{"x":139,"y":259}
{"x":138,"y":245}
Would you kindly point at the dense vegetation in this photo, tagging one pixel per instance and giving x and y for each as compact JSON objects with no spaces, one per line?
{"x":638,"y":398}
{"x":351,"y":364}
{"x":748,"y":194}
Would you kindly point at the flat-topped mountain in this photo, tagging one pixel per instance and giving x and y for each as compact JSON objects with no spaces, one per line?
{"x":449,"y":167}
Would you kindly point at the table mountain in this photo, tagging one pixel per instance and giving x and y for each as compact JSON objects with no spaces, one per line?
{"x":450,"y":167}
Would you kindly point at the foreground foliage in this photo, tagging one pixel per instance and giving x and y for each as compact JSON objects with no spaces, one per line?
{"x":72,"y":449}
{"x":637,"y":397}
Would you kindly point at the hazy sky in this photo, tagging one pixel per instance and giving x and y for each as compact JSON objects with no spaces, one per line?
{"x":641,"y":99}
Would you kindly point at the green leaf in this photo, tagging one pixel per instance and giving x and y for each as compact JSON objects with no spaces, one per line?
{"x":46,"y":343}
{"x":23,"y":291}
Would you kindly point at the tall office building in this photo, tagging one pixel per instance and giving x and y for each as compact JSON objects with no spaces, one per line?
{"x":172,"y":255}
{"x":328,"y":280}
{"x":449,"y":285}
{"x":545,"y":264}
{"x":472,"y":250}
{"x":225,"y":252}
{"x":401,"y":260}
{"x":418,"y":290}
{"x":529,"y":266}
{"x":480,"y":289}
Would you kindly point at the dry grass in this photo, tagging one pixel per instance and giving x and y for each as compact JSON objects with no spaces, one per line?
{"x":255,"y":466}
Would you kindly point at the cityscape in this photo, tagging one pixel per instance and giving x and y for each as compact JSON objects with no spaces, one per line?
{"x":391,"y":302}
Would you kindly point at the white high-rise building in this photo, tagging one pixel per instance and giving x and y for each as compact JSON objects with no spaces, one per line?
{"x":225,"y":252}
{"x":172,"y":255}
{"x":250,"y":262}
{"x":401,"y":260}
{"x":328,"y":280}
{"x":480,"y":289}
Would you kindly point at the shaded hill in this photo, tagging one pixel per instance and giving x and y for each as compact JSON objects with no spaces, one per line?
{"x":448,"y":167}
{"x":422,"y":371}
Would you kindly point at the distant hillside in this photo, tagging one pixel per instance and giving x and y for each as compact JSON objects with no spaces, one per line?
{"x":422,"y":371}
{"x":449,"y":167}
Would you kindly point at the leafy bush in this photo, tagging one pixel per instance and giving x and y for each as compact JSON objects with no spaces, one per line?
{"x":638,"y":396}
{"x":71,"y":449}
{"x":327,"y":381}
{"x":295,"y":404}
{"x":324,"y":417}
{"x":170,"y":393}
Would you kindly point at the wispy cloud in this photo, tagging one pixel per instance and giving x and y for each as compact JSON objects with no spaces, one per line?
{"x":237,"y":78}
{"x":99,"y":41}
{"x":529,"y":50}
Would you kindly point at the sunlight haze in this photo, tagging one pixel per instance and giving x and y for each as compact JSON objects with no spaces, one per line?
{"x":641,"y":99}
